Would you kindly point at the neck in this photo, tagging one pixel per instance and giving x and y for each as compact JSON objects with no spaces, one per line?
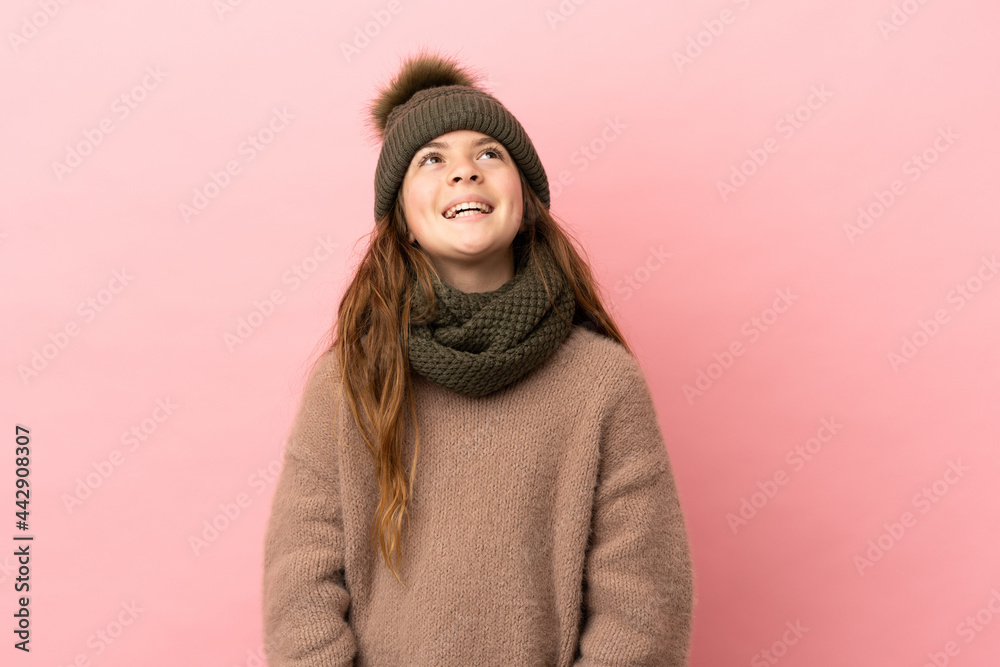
{"x":483,"y":275}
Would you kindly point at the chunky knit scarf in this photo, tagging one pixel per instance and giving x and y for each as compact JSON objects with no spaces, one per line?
{"x":481,"y":342}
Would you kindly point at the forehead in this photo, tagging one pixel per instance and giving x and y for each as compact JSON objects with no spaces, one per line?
{"x":459,"y":139}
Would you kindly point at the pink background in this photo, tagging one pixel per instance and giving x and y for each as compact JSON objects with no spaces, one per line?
{"x":685,"y":270}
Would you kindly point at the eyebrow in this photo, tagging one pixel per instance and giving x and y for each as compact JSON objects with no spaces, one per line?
{"x":482,"y":141}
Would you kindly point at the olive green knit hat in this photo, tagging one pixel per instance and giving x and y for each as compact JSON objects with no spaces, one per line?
{"x":432,"y":95}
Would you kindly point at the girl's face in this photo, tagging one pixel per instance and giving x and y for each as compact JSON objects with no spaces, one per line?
{"x":472,"y":251}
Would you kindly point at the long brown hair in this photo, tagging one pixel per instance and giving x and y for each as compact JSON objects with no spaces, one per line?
{"x":372,"y":343}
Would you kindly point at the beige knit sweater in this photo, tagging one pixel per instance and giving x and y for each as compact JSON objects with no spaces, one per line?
{"x":545,"y":528}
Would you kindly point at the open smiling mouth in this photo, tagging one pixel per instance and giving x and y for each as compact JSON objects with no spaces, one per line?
{"x":467,"y":209}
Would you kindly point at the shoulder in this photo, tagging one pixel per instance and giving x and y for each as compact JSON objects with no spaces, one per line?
{"x":321,"y":384}
{"x":599,"y":362}
{"x":323,"y":370}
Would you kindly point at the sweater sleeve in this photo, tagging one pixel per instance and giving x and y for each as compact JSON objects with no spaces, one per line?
{"x":638,"y":580}
{"x":304,"y":596}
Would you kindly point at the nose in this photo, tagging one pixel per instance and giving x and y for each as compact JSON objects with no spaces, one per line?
{"x":465,"y":168}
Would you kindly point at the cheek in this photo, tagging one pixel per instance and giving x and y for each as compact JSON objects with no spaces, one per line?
{"x":416,"y":199}
{"x":516,"y":202}
{"x":517,"y":196}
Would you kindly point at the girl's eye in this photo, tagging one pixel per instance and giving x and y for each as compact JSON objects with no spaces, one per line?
{"x":495,"y":150}
{"x":427,"y":156}
{"x":435,"y":156}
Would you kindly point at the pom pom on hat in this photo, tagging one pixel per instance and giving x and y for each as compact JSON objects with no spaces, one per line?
{"x":424,"y":70}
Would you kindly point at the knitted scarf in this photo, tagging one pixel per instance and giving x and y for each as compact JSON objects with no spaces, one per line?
{"x":481,"y":342}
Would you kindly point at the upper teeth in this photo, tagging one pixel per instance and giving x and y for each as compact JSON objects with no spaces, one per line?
{"x":458,"y":208}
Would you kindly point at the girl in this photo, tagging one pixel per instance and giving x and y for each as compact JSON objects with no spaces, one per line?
{"x":542,"y":521}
